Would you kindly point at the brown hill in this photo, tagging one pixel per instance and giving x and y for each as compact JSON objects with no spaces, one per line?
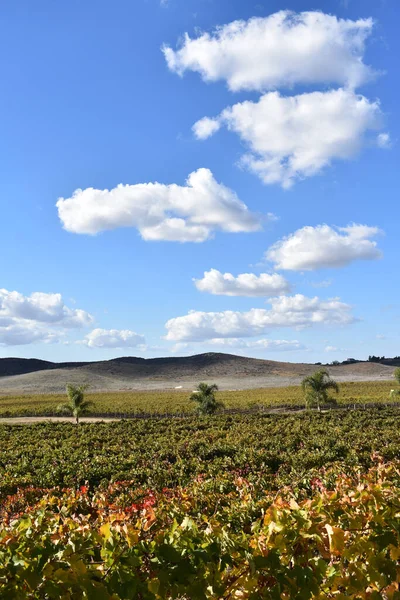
{"x":130,"y":373}
{"x":19,"y":366}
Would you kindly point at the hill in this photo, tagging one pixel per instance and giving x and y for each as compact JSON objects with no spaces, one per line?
{"x":132,"y":373}
{"x":19,"y":366}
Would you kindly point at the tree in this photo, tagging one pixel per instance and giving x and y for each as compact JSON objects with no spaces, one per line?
{"x":77,"y":406}
{"x":316,"y":388}
{"x":205,"y":398}
{"x":394,"y":393}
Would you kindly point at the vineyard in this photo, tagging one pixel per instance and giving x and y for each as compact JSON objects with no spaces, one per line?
{"x":169,"y":402}
{"x":231,"y":506}
{"x":269,"y":450}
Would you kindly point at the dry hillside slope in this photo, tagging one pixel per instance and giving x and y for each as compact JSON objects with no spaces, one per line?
{"x":129,"y":373}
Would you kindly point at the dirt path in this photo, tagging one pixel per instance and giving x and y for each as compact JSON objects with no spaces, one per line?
{"x":44,"y":419}
{"x":28,"y":420}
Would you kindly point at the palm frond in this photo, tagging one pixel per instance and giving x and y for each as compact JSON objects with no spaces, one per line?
{"x":205,"y":398}
{"x":316,"y":388}
{"x":331,"y":384}
{"x":307,"y":382}
{"x":64,"y":408}
{"x":77,"y":404}
{"x":331,"y":400}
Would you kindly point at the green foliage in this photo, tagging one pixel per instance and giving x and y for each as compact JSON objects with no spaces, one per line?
{"x":204,"y":396}
{"x":77,"y":405}
{"x":245,"y":506}
{"x":215,"y":539}
{"x":316,"y":388}
{"x":394,"y":394}
{"x":271,"y":451}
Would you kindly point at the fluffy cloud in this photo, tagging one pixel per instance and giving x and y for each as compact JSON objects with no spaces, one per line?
{"x":320,"y":247}
{"x":43,"y":308}
{"x":113,"y":338}
{"x":39,"y":317}
{"x":293,"y":137}
{"x":19,"y":334}
{"x":264,"y":344}
{"x":286,"y":311}
{"x":383,"y":140}
{"x":280,"y":50}
{"x":189,"y":213}
{"x":206,"y":127}
{"x":245,"y":284}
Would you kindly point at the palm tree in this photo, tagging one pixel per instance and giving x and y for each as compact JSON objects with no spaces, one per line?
{"x":77,"y":405}
{"x":394,"y":393}
{"x":205,"y":398}
{"x":316,"y":389}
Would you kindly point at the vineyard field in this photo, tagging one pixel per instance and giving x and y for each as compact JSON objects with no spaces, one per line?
{"x":269,"y":450}
{"x":175,"y":401}
{"x":302,"y":506}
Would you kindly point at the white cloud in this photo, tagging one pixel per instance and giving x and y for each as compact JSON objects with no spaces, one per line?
{"x":226,"y":344}
{"x":41,"y":307}
{"x":245,"y":284}
{"x":264,"y":344}
{"x":39,"y":317}
{"x":280,"y":50}
{"x":293,"y":137}
{"x":113,"y":338}
{"x":286,"y":311}
{"x":206,"y":127}
{"x":383,"y":140}
{"x":19,"y":334}
{"x":331,"y":349}
{"x":188,"y":213}
{"x":320,"y":247}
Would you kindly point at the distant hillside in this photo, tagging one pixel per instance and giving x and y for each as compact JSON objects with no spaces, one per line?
{"x":131,"y":373}
{"x":142,"y":367}
{"x":19,"y":366}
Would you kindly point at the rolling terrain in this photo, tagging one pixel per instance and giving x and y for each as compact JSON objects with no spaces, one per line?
{"x":130,"y":373}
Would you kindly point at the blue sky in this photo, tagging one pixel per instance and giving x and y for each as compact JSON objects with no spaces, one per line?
{"x":89,"y":100}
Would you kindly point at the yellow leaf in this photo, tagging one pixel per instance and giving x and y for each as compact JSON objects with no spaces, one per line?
{"x":336,"y":539}
{"x":391,"y":591}
{"x":153,"y":586}
{"x":105,"y":531}
{"x":394,"y":553}
{"x":132,"y":536}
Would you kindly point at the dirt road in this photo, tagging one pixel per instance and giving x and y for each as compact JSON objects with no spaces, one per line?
{"x":29,"y":420}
